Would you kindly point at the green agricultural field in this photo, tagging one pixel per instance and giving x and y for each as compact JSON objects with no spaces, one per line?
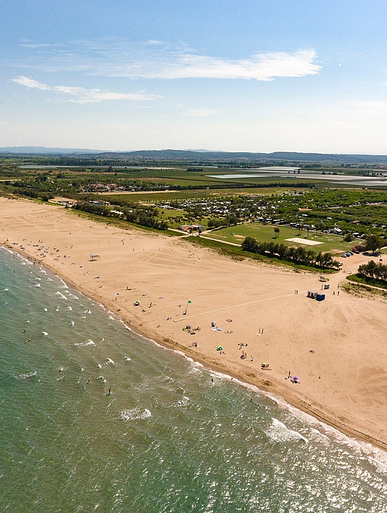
{"x":158,"y":197}
{"x":330,"y":242}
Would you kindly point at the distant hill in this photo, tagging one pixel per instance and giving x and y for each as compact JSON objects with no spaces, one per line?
{"x":245,"y":157}
{"x":41,"y":150}
{"x":203,"y":157}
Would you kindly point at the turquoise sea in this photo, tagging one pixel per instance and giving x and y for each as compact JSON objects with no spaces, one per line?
{"x":170,"y":437}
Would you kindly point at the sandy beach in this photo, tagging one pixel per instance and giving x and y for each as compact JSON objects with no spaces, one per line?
{"x":335,"y":347}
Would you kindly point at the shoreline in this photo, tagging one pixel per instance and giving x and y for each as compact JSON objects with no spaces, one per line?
{"x":172,"y":339}
{"x":185,"y":352}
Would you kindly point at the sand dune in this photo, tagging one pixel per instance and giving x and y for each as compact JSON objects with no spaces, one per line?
{"x":336,"y":347}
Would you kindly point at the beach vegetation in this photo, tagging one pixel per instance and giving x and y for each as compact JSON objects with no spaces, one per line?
{"x":298,"y":255}
{"x":364,"y":287}
{"x":371,"y":274}
{"x":236,"y":252}
{"x":373,"y":271}
{"x":143,"y":216}
{"x":264,"y":232}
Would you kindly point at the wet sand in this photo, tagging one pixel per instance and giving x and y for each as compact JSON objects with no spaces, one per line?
{"x":336,"y":347}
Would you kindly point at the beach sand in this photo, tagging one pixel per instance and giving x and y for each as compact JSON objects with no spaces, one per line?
{"x":336,"y":347}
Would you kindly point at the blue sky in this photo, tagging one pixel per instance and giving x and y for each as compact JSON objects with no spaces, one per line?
{"x":253,"y":75}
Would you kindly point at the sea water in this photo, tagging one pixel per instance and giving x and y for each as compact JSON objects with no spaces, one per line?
{"x":170,"y":436}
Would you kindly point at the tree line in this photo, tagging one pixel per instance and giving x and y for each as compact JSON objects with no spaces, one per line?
{"x":373,"y":271}
{"x":298,"y":255}
{"x":144,"y":216}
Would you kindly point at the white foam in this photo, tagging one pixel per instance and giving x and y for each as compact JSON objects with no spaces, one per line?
{"x":63,"y":282}
{"x":362,"y":448}
{"x":134,"y":414}
{"x":181,"y":403}
{"x":198,"y":365}
{"x":380,"y":466}
{"x":58,"y":293}
{"x":109,"y":361}
{"x":26,"y":376}
{"x":85,"y":344}
{"x":280,"y":433}
{"x":195,"y":370}
{"x":321,"y":438}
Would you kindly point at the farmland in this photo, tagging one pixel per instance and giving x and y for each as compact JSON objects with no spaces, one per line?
{"x":230,"y":201}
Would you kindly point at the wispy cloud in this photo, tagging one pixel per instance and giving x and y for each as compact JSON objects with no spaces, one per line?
{"x":259,"y":67}
{"x":159,"y":60}
{"x":81,"y":94}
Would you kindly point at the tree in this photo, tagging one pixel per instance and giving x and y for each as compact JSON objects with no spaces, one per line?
{"x":374,"y":242}
{"x":347,"y":237}
{"x":250,"y":244}
{"x":320,"y":226}
{"x":276,"y":231}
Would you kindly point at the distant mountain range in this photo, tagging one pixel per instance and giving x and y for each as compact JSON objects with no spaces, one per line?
{"x":203,"y":156}
{"x":243,"y":157}
{"x":41,"y":150}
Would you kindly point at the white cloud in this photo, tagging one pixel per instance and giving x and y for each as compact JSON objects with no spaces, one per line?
{"x":259,"y":67}
{"x":29,"y":82}
{"x":156,"y":59}
{"x":81,"y":94}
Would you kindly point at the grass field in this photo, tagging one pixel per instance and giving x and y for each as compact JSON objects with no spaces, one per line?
{"x":161,"y":196}
{"x":237,"y":234}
